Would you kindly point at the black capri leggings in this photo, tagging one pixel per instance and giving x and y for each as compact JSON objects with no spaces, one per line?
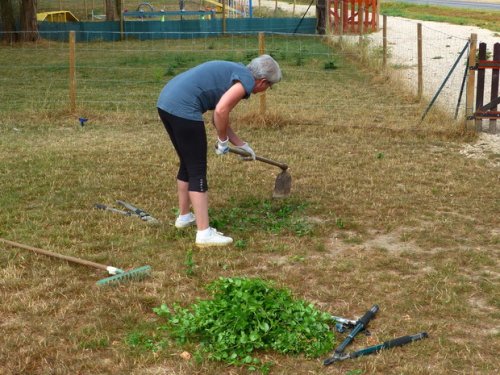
{"x":190,"y":141}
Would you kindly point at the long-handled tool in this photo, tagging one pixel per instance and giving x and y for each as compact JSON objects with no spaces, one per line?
{"x":132,"y":211}
{"x":400,"y":341}
{"x":358,"y":326}
{"x":283,"y":183}
{"x":118,"y":275}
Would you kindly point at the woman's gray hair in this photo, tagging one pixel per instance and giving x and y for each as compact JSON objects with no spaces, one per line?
{"x":265,"y":67}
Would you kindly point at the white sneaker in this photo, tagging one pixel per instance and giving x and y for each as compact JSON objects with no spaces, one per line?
{"x":185,"y":221}
{"x":212,"y":238}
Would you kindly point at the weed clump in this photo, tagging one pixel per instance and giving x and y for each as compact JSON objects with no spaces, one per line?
{"x":247,"y":315}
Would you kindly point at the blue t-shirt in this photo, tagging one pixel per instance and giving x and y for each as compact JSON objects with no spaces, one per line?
{"x":197,"y":90}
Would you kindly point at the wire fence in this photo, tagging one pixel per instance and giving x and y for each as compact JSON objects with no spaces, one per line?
{"x":443,"y":67}
{"x":114,"y":75}
{"x":130,"y":74}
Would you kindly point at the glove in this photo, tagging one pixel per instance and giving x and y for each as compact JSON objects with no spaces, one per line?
{"x":245,"y":147}
{"x":222,"y":146}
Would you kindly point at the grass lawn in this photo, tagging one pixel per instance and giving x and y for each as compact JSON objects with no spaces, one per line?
{"x":381,"y":211}
{"x":485,"y":19}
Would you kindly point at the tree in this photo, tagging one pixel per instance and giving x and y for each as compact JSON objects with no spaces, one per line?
{"x":29,"y":24}
{"x":110,"y":10}
{"x":8,"y":21}
{"x":321,"y":6}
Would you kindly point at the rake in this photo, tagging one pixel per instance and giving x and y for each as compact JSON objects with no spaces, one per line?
{"x":118,"y":275}
{"x":283,"y":183}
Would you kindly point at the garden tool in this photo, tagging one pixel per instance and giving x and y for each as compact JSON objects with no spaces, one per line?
{"x":283,"y":183}
{"x":132,"y":211}
{"x":118,"y":275}
{"x":342,"y":324}
{"x":358,"y":326}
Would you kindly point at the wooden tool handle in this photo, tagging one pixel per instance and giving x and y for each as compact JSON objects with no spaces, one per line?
{"x":259,"y":158}
{"x":55,"y":255}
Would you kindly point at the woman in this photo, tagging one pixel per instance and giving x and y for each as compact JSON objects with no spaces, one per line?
{"x":217,"y":86}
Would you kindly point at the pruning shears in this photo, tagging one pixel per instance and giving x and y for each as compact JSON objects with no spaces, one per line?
{"x":343,"y":324}
{"x":130,"y":210}
{"x":358,"y":326}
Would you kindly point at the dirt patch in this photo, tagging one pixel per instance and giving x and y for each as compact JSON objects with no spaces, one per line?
{"x":486,"y":147}
{"x":390,"y":242}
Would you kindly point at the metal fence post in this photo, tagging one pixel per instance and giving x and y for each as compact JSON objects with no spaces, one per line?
{"x":262,"y":49}
{"x":420,"y":65}
{"x":72,"y":73}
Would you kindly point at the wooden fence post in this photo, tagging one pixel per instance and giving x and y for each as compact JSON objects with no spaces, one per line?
{"x":471,"y":82}
{"x":495,"y":78}
{"x":262,"y":49}
{"x":341,"y":18}
{"x":361,"y":12}
{"x":481,"y":74}
{"x":72,"y":73}
{"x":122,"y":21}
{"x":378,"y":15}
{"x":328,"y":26}
{"x":420,"y":66}
{"x":223,"y":16}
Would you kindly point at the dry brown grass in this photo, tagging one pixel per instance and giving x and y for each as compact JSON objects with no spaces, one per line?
{"x":398,"y":217}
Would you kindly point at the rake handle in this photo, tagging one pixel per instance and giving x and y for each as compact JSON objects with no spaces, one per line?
{"x":283,"y":166}
{"x":55,"y":255}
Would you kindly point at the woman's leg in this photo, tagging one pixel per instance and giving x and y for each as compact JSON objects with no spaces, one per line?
{"x":200,"y":207}
{"x":183,"y":195}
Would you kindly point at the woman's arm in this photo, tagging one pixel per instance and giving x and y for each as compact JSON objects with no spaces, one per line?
{"x":221,"y":113}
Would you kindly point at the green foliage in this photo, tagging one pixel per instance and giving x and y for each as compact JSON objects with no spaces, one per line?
{"x":340,"y":223}
{"x":330,"y":65}
{"x":354,"y":372}
{"x":477,"y":17}
{"x":247,"y":315}
{"x":272,"y":216}
{"x":189,"y":263}
{"x":145,"y":342}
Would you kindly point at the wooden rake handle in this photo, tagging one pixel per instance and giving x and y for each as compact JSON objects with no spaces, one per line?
{"x":283,"y":166}
{"x":55,"y":255}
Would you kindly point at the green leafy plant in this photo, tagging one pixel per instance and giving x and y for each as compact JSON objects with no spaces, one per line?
{"x":189,"y":263}
{"x":272,"y":216}
{"x":240,"y":244}
{"x":247,"y":315}
{"x":340,"y":223}
{"x":145,"y":342}
{"x":330,"y":65}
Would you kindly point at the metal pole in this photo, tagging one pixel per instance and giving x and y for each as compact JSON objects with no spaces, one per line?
{"x":420,"y":66}
{"x":72,"y":73}
{"x":262,"y":49}
{"x":384,"y":41}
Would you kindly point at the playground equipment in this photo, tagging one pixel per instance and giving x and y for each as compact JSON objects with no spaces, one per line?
{"x":236,"y":8}
{"x":57,"y":16}
{"x":207,"y":9}
{"x":347,"y":16}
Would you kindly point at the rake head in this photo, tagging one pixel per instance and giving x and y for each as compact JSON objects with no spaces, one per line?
{"x":135,"y":274}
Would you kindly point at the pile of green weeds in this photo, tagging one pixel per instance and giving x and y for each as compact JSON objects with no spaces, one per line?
{"x":247,"y":315}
